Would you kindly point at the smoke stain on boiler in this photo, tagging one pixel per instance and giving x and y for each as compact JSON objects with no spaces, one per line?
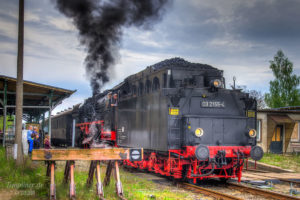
{"x":100,"y":24}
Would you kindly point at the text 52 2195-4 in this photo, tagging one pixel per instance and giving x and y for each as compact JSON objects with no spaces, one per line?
{"x":213,"y":104}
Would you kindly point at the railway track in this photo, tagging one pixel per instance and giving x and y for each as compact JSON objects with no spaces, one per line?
{"x":208,"y":192}
{"x":264,"y":174}
{"x":229,"y":191}
{"x":264,"y":194}
{"x":260,"y":192}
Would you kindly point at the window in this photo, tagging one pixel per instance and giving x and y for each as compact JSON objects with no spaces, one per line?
{"x":148,"y":86}
{"x":141,"y":89}
{"x":133,"y":89}
{"x":165,"y":80}
{"x":125,"y":90}
{"x":155,"y":86}
{"x":53,"y":124}
{"x":258,"y":130}
{"x":296,"y":133}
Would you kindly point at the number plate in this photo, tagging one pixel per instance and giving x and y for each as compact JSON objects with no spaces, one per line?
{"x":213,"y":104}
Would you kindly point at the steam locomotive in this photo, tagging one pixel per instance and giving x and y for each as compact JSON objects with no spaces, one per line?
{"x":189,"y":125}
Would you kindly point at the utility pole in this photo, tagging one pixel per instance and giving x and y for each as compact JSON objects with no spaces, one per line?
{"x":19,"y":90}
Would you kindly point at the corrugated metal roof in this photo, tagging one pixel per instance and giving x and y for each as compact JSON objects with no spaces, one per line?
{"x":279,"y":111}
{"x":39,"y":85}
{"x":34,"y":94}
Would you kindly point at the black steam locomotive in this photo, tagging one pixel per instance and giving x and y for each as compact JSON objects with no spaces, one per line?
{"x":190,"y":126}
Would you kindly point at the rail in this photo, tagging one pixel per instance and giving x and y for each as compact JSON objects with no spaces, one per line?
{"x":274,"y":177}
{"x":208,"y":192}
{"x":257,"y":191}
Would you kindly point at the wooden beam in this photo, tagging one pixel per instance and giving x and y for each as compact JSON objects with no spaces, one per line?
{"x":108,"y":173}
{"x":72,"y":181}
{"x":12,"y":106}
{"x":83,"y":154}
{"x":99,"y":186}
{"x":31,"y":94}
{"x":119,"y":187}
{"x":52,"y":182}
{"x":67,"y":172}
{"x":91,"y":173}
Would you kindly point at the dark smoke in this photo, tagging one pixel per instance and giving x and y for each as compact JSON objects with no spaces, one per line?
{"x":100,"y":26}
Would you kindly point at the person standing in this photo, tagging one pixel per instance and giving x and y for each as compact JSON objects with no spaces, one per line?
{"x":114,"y":104}
{"x":47,"y":142}
{"x":36,"y":141}
{"x":35,"y":130}
{"x":108,"y":100}
{"x":31,"y":141}
{"x":115,"y":100}
{"x":29,"y":132}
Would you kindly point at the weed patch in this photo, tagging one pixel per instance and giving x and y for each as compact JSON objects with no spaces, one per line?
{"x":285,"y":161}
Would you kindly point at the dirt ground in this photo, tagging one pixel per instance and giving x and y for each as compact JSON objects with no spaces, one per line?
{"x":7,"y":194}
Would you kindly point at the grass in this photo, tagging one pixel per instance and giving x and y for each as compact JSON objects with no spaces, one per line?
{"x":134,"y":187}
{"x":285,"y":161}
{"x":28,"y":179}
{"x":30,"y":182}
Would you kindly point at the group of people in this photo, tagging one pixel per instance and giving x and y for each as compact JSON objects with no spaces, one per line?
{"x":111,"y":100}
{"x":33,"y":139}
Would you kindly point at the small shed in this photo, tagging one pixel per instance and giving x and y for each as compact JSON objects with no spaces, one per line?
{"x":278,"y":130}
{"x":37,"y":100}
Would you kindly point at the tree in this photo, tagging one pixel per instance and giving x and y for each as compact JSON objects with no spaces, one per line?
{"x":258,"y":95}
{"x":19,"y":88}
{"x":260,"y":98}
{"x":283,"y":90}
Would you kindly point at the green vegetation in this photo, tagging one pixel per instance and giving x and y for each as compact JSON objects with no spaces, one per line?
{"x":29,"y":179}
{"x":30,"y":182}
{"x":134,"y":188}
{"x":285,"y":161}
{"x":283,"y":89}
{"x":9,"y":122}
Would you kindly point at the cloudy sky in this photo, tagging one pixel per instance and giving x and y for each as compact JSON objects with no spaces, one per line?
{"x":240,"y":37}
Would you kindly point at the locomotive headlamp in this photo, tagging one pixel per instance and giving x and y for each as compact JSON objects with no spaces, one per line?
{"x":252,"y":133}
{"x":217,"y":83}
{"x":199,"y":132}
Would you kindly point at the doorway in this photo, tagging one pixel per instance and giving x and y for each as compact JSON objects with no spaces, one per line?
{"x":276,"y":145}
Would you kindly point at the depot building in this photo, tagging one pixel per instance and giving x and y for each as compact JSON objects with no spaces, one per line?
{"x":278,"y":130}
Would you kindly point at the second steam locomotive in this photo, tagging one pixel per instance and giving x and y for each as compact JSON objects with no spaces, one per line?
{"x":189,"y":125}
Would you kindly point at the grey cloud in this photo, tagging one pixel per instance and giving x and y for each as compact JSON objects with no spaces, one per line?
{"x":268,"y":19}
{"x":226,"y":34}
{"x":5,"y":38}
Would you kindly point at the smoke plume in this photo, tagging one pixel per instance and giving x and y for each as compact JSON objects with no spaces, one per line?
{"x":100,"y":24}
